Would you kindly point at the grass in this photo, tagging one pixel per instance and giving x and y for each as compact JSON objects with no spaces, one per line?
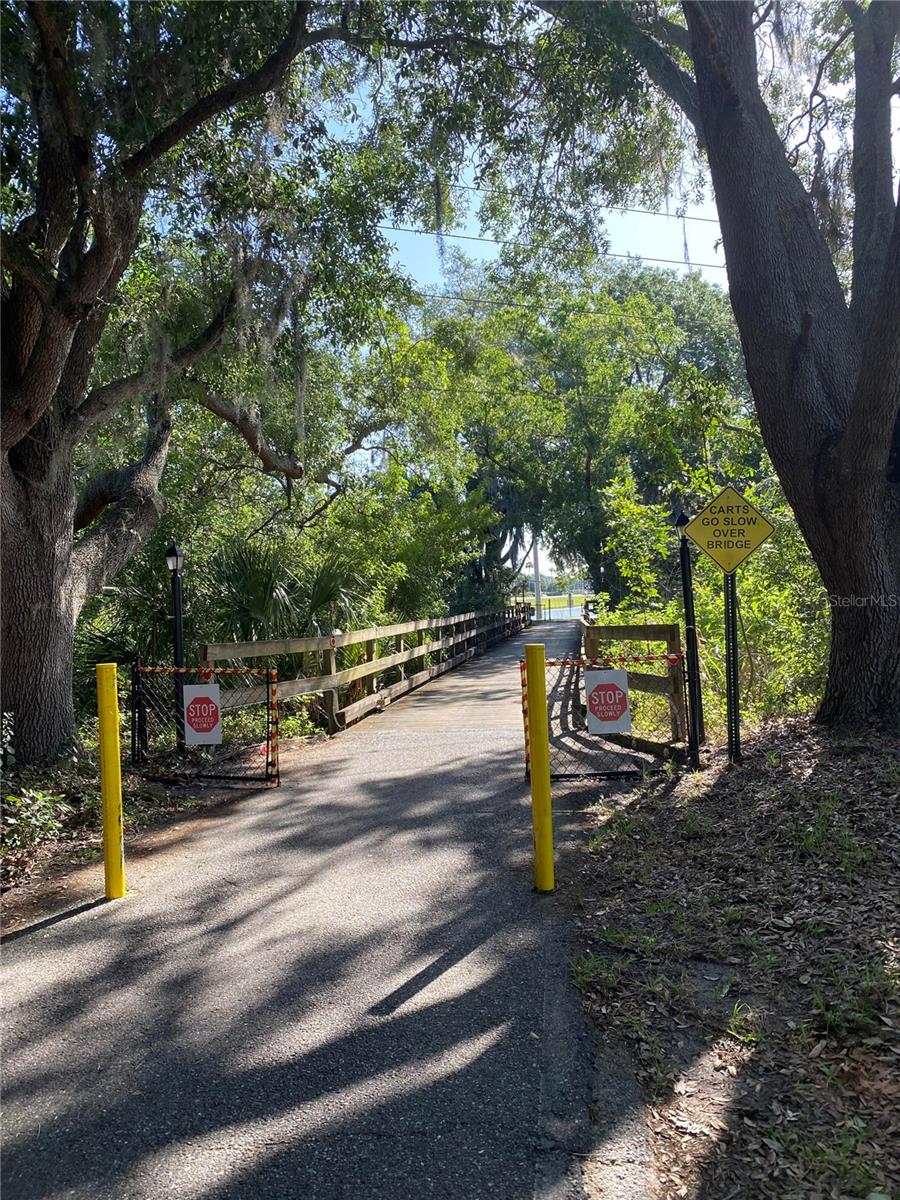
{"x":592,"y":970}
{"x":826,"y":836}
{"x":844,"y":1155}
{"x":852,"y":1000}
{"x":693,"y":825}
{"x":744,"y":1025}
{"x":620,"y":826}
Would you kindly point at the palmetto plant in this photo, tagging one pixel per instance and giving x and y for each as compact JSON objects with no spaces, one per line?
{"x":330,"y":594}
{"x":255,"y":596}
{"x":252,"y":594}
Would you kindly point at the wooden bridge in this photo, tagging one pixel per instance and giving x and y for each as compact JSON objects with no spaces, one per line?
{"x":369,"y":668}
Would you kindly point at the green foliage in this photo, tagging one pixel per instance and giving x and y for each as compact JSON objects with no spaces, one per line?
{"x":594,"y":416}
{"x":31,"y":818}
{"x":597,"y":404}
{"x":744,"y":1025}
{"x":251,"y":591}
{"x":637,"y":539}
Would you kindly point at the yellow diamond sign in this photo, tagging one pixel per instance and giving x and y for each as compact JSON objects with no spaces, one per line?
{"x":729,"y":529}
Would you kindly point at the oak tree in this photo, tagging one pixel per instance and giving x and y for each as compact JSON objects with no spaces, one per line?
{"x":811,"y":231}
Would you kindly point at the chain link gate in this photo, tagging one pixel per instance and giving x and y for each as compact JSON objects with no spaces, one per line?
{"x":657,"y":703}
{"x":248,"y":704}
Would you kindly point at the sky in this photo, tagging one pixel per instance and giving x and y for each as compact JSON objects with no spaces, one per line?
{"x":641,"y":235}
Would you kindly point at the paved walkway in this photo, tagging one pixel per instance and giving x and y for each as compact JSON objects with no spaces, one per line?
{"x":343,"y":988}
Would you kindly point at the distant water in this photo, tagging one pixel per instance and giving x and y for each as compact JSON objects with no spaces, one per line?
{"x":559,"y":614}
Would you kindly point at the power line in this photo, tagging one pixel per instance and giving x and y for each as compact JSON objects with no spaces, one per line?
{"x":647,"y":212}
{"x":468,"y":237}
{"x":503,"y":303}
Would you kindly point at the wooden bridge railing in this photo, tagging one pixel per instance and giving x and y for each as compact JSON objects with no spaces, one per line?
{"x":359,"y":671}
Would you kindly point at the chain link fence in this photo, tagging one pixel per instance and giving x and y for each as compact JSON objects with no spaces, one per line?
{"x":171,"y":715}
{"x":577,"y":753}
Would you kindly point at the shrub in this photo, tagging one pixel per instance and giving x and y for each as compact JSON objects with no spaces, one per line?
{"x":31,"y":818}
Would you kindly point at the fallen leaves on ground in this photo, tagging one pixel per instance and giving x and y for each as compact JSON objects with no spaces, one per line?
{"x":739,"y":927}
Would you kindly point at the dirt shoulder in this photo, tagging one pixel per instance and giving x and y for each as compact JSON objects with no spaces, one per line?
{"x":739,"y":928}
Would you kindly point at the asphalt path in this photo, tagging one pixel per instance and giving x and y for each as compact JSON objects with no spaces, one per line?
{"x":345,"y":987}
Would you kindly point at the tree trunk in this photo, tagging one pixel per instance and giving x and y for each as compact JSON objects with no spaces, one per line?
{"x":39,"y":603}
{"x":861,"y":569}
{"x":864,"y":664}
{"x":821,"y":385}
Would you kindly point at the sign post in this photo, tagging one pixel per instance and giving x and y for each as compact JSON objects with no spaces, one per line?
{"x":729,"y":529}
{"x":732,"y":690}
{"x":696,"y":730}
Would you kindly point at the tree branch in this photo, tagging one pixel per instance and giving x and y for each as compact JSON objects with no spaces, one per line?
{"x":815,"y":93}
{"x":677,"y":84}
{"x":760,"y":20}
{"x":250,"y":429}
{"x":19,"y":260}
{"x":134,"y":506}
{"x":673,"y":35}
{"x":875,"y":31}
{"x":323,"y":507}
{"x":114,"y":485}
{"x":25,"y":402}
{"x":267,"y":76}
{"x":866,"y":445}
{"x":56,"y":61}
{"x":103,"y":399}
{"x":257,"y":83}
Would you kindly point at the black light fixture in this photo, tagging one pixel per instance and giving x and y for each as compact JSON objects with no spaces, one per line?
{"x":175,"y":561}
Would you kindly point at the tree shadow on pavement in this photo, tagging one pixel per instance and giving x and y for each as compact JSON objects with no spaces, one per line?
{"x":340,"y":992}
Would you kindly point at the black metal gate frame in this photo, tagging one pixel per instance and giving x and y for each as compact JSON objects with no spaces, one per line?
{"x":608,"y":662}
{"x":270,"y":674}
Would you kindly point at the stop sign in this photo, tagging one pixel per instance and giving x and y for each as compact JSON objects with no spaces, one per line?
{"x":608,"y":702}
{"x":606,"y":693}
{"x":202,"y":714}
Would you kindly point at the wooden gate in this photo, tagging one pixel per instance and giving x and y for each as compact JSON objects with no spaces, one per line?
{"x":657,"y":646}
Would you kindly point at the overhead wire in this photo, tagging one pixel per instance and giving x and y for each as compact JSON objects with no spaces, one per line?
{"x":469,"y":237}
{"x":647,"y":212}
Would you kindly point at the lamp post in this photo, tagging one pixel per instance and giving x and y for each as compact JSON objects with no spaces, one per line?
{"x":175,"y":561}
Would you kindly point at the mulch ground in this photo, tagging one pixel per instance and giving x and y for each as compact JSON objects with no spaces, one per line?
{"x":739,"y":927}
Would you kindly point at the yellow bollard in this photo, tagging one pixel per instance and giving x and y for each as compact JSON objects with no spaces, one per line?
{"x":539,"y":736}
{"x":111,"y":781}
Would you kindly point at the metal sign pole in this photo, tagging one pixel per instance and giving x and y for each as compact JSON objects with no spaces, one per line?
{"x":178,"y":656}
{"x":732,"y":683}
{"x":696,"y":726}
{"x":729,"y":529}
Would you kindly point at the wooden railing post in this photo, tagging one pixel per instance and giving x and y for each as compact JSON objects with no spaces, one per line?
{"x":398,"y":646}
{"x":332,"y":701}
{"x":370,"y":657}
